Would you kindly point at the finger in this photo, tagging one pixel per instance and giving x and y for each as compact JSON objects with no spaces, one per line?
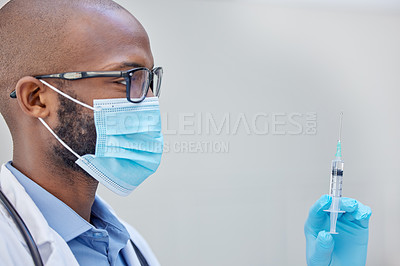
{"x":348,"y":205}
{"x":323,"y":250}
{"x":317,"y":215}
{"x":320,"y":205}
{"x":356,"y":211}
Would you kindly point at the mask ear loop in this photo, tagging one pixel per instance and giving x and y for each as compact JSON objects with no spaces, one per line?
{"x":58,"y":138}
{"x":66,"y":95}
{"x":49,"y":128}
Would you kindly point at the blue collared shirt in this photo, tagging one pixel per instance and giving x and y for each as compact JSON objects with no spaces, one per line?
{"x":98,"y":243}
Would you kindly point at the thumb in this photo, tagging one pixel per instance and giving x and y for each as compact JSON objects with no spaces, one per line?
{"x":322,"y":255}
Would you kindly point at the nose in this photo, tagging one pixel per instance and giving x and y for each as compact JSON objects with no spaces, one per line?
{"x":150,"y":93}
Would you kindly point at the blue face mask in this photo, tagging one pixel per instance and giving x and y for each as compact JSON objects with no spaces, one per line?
{"x":129,"y":142}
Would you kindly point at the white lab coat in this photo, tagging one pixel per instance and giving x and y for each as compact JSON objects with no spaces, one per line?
{"x":52,"y":247}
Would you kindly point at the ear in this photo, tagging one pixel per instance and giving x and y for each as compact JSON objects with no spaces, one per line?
{"x":33,"y":97}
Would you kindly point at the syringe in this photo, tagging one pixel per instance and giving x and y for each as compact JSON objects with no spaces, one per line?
{"x":336,"y":182}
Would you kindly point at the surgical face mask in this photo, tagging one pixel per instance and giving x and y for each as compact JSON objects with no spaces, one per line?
{"x":129,"y":142}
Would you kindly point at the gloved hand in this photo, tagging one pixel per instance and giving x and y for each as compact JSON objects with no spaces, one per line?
{"x":349,"y":247}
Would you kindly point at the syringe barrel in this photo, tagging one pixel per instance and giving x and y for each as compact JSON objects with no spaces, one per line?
{"x":336,"y":178}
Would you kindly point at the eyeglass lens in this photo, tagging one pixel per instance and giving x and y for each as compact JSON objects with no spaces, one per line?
{"x":139,"y":84}
{"x":141,"y":81}
{"x":156,"y":85}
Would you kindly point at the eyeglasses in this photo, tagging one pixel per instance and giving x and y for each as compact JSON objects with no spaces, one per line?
{"x":137,"y":80}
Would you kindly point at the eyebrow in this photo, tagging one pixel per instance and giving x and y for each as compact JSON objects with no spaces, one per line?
{"x":123,"y":65}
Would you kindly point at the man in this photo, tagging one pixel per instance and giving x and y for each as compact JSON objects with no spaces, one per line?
{"x":54,"y":196}
{"x":77,"y":87}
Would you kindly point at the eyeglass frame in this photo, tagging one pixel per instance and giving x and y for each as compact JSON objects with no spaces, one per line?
{"x":104,"y":74}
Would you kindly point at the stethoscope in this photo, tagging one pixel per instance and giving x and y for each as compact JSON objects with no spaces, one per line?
{"x":37,"y":259}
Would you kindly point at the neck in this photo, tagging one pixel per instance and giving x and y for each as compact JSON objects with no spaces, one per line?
{"x":74,"y":188}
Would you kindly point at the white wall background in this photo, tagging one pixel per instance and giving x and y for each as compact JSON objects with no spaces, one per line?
{"x":248,"y":206}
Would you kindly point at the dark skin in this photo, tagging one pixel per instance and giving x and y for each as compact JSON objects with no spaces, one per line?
{"x":107,"y":41}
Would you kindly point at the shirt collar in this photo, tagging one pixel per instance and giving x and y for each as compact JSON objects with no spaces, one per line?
{"x":64,"y":220}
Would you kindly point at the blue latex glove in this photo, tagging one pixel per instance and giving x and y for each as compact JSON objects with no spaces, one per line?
{"x":349,"y":247}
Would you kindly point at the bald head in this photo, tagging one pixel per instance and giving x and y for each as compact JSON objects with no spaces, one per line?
{"x":52,"y":36}
{"x":33,"y":35}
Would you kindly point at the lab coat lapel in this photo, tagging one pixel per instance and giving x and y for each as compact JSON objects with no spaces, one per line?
{"x":53,"y":249}
{"x":129,"y":255}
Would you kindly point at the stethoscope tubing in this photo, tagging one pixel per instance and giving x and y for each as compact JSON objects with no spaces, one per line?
{"x":37,"y":259}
